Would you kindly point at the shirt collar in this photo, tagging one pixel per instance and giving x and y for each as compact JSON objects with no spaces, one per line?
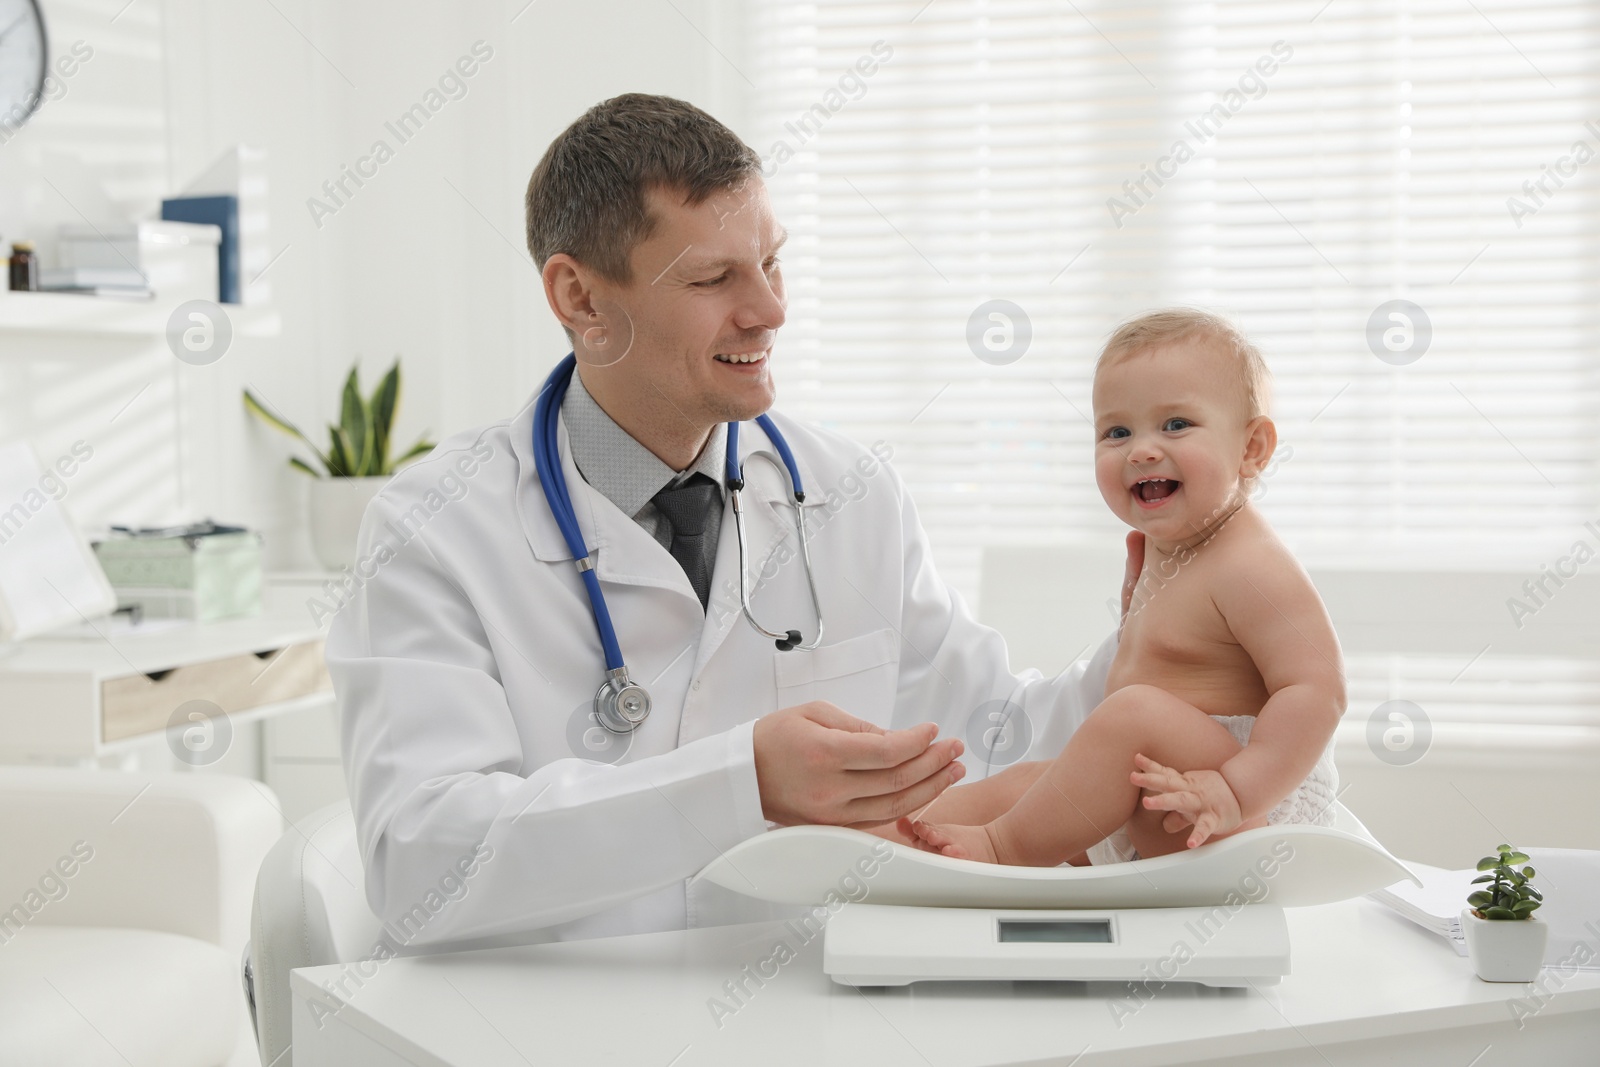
{"x":617,"y":465}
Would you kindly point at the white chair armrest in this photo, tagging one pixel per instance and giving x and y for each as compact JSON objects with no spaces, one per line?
{"x":174,"y":852}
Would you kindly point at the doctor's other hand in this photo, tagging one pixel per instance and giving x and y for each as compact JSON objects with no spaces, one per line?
{"x":816,"y":763}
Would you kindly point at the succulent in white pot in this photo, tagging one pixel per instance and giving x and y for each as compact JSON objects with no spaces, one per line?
{"x":355,"y":466}
{"x":1504,"y":938}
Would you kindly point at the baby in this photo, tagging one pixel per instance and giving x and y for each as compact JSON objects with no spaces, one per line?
{"x":1227,"y":683}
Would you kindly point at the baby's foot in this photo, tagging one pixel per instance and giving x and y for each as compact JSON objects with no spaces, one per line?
{"x":957,"y":842}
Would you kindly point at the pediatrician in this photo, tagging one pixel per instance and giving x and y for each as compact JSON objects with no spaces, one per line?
{"x":612,"y":637}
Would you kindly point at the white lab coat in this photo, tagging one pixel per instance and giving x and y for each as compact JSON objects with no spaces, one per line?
{"x":467,"y":659}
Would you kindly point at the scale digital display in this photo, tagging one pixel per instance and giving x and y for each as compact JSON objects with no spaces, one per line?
{"x":1056,"y":931}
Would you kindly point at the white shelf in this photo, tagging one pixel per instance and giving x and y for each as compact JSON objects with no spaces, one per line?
{"x":76,"y":314}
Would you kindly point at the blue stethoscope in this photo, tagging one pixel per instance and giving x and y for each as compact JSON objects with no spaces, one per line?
{"x":621,"y":704}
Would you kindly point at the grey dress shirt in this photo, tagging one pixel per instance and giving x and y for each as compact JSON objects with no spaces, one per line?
{"x":629,"y":474}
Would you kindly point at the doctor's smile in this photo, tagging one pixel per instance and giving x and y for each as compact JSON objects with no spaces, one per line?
{"x":834,"y":548}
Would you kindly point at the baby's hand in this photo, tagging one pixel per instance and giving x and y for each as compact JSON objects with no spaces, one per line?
{"x":1201,"y":797}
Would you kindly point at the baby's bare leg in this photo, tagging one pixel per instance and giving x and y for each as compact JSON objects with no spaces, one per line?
{"x":973,"y":803}
{"x":968,"y":804}
{"x":1086,"y":793}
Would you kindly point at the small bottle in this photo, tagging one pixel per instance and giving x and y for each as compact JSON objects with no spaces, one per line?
{"x":24,"y":268}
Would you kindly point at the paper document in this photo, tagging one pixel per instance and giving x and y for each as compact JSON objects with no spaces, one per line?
{"x":1436,"y":905}
{"x":1569,"y":878}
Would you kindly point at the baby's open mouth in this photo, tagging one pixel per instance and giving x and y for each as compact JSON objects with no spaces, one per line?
{"x":1153,"y":489}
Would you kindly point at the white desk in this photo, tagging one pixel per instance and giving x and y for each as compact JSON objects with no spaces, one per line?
{"x":1368,"y":988}
{"x":80,"y":698}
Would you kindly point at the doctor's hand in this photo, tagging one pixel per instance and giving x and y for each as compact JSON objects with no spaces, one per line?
{"x":816,"y":763}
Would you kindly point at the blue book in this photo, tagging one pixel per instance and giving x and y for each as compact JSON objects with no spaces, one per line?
{"x":220,"y":211}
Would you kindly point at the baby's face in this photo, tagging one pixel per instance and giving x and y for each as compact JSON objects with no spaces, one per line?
{"x":1170,"y":438}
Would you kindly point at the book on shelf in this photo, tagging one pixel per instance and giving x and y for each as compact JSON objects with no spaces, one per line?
{"x":220,"y":211}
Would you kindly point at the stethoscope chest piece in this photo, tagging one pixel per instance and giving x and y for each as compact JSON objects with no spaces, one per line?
{"x":621,"y":704}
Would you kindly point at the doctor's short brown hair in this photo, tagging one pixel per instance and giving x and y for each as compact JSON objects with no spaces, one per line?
{"x":587,"y":195}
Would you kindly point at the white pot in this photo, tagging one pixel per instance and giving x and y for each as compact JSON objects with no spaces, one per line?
{"x":1505,"y":950}
{"x":336,"y":507}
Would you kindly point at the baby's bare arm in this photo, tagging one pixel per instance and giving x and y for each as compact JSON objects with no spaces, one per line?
{"x":1275,"y":613}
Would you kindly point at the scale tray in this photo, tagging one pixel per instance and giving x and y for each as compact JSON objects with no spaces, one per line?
{"x":1289,"y":865}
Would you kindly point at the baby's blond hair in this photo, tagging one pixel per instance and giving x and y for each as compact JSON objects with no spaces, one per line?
{"x":1169,"y":325}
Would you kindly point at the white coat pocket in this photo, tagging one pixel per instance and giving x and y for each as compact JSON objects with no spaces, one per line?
{"x":858,"y":674}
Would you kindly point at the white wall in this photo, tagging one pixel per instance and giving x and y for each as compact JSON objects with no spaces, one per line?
{"x":426,"y":261}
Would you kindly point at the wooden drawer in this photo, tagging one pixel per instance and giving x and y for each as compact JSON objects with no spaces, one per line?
{"x":143,"y":704}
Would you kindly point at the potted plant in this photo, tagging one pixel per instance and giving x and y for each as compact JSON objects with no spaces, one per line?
{"x":1504,"y":938}
{"x":355,"y":466}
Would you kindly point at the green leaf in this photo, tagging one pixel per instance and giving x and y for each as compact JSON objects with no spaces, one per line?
{"x":1482,"y":878}
{"x":1523,"y":908}
{"x":353,"y":424}
{"x":1488,"y":863}
{"x":1480,"y":899}
{"x":256,"y":408}
{"x":1527,"y":872}
{"x":1517,"y":857}
{"x":1497,"y":912}
{"x":259,"y":410}
{"x":338,"y":454}
{"x":385,"y":401}
{"x":352,"y":455}
{"x":1535,"y":893}
{"x":1502,"y":848}
{"x":297,"y":464}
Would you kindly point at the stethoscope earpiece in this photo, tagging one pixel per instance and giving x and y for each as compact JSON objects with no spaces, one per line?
{"x":789,"y":641}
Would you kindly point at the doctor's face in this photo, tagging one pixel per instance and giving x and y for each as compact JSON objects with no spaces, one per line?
{"x":705,"y":303}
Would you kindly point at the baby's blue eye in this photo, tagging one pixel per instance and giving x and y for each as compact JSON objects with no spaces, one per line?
{"x":1117,"y":433}
{"x":1182,"y":424}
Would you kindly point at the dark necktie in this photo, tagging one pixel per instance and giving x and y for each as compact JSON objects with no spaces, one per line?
{"x":686,"y":508}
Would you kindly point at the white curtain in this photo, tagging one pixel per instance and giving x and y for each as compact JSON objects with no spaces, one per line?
{"x":1292,"y":164}
{"x":1300,"y":166}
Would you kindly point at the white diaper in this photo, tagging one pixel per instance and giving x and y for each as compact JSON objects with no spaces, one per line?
{"x":1311,"y":802}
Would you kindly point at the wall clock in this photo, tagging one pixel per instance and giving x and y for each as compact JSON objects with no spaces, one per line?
{"x":23,"y":55}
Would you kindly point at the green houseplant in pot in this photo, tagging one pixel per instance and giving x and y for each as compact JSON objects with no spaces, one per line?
{"x":355,"y":465}
{"x":1504,"y":938}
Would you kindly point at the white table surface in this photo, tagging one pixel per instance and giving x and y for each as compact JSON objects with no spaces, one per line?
{"x":110,"y":649}
{"x":1367,"y":988}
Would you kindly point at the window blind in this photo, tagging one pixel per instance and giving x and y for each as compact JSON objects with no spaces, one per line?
{"x":1294,"y":166}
